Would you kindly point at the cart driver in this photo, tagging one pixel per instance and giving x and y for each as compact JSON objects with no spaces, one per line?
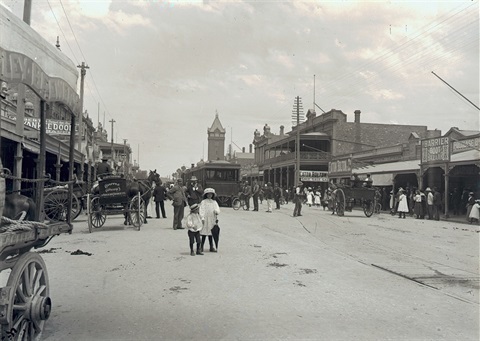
{"x":104,"y":167}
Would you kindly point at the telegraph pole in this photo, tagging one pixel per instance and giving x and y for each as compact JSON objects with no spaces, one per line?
{"x":296,"y":114}
{"x":112,"y":121}
{"x":83,"y":71}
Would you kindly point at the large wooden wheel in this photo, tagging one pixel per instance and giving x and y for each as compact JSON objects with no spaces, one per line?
{"x":56,"y":205}
{"x":136,"y":212}
{"x":224,"y":201}
{"x":27,"y":304}
{"x":96,"y":216}
{"x":340,"y":202}
{"x":368,"y":207}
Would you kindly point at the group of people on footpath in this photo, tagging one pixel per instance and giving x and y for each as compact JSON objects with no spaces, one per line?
{"x":272,"y":194}
{"x":203,"y":207}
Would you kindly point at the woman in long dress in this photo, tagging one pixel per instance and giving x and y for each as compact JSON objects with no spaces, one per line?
{"x":402,"y":204}
{"x":209,"y":210}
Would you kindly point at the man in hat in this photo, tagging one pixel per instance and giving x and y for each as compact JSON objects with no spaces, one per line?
{"x":104,"y":167}
{"x":437,"y":203}
{"x":298,"y":198}
{"x":247,"y":193}
{"x":255,"y":194}
{"x":429,"y":194}
{"x":194,"y":191}
{"x":177,"y":193}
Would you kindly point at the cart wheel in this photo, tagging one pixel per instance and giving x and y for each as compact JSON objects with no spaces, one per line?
{"x":368,"y":208}
{"x":136,"y":212}
{"x":27,"y":301}
{"x":96,"y":217}
{"x":236,"y":204}
{"x":340,"y":202}
{"x":56,"y":205}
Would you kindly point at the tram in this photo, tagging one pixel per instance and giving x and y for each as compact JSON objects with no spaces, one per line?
{"x":222,"y":176}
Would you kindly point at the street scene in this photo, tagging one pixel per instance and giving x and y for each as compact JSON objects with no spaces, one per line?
{"x":292,"y":170}
{"x":318,"y":276}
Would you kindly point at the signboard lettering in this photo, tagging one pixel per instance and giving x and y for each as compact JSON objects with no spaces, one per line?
{"x":436,"y":150}
{"x":54,"y":127}
{"x":340,"y":166}
{"x":462,"y":145}
{"x":314,"y":176}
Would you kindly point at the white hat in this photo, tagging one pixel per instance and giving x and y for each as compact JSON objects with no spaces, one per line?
{"x":193,"y":178}
{"x":208,"y":190}
{"x":428,"y":189}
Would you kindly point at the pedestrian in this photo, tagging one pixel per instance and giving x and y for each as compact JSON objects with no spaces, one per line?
{"x":470,"y":203}
{"x":402,"y":204}
{"x":255,"y":194}
{"x":418,"y":209}
{"x":298,"y":198}
{"x":159,"y":196}
{"x":392,"y":203}
{"x":177,"y":192}
{"x":194,"y":224}
{"x":309,"y":196}
{"x":317,"y":197}
{"x":247,"y":192}
{"x":437,"y":203}
{"x":209,"y":210}
{"x":423,"y":199}
{"x":474,"y":216}
{"x":277,"y":194}
{"x":429,"y":195}
{"x":194,"y":191}
{"x":269,"y":196}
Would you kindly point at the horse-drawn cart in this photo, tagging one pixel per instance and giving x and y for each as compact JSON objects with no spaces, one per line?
{"x":348,"y":197}
{"x":56,"y":201}
{"x":112,"y":198}
{"x":25,"y":304}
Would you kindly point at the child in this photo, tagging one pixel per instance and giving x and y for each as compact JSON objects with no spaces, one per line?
{"x":193,"y":222}
{"x":209,"y":210}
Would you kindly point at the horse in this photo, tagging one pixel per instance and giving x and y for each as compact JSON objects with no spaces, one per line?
{"x":19,"y":207}
{"x":135,"y":186}
{"x":154,"y":177}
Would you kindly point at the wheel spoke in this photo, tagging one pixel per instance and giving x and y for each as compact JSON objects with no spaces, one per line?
{"x":26,"y":283}
{"x":20,"y":295}
{"x":36,"y":280}
{"x":41,"y":289}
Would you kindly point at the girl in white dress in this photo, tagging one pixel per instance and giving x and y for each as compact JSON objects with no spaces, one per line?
{"x":209,"y":210}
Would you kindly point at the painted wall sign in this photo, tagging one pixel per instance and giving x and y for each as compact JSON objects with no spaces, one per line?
{"x":314,"y":176}
{"x":340,"y":166}
{"x":435,"y":150}
{"x":462,"y":145}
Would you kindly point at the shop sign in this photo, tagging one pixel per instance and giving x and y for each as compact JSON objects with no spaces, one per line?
{"x":462,"y":145}
{"x":54,"y":127}
{"x":436,"y":150}
{"x":340,"y":166}
{"x":313,"y":176}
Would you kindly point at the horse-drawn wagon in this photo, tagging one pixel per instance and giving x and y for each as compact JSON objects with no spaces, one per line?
{"x":57,"y":201}
{"x":346,"y":197}
{"x":112,"y":198}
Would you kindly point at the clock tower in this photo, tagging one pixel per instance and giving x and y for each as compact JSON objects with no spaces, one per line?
{"x":216,"y":141}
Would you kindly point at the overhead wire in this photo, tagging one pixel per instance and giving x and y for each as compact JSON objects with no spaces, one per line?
{"x":410,"y":44}
{"x":85,"y":59}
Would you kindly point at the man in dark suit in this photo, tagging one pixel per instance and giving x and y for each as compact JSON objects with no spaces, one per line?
{"x":255,"y":194}
{"x":247,"y":193}
{"x":104,"y":167}
{"x":159,"y":194}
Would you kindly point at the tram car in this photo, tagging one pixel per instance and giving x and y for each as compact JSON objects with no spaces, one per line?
{"x":222,"y":176}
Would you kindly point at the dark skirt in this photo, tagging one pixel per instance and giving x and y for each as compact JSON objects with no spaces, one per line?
{"x":418,"y":209}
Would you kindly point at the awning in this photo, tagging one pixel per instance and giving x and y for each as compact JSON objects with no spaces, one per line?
{"x":400,"y":167}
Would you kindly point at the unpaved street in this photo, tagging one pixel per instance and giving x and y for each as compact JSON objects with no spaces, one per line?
{"x":318,"y":277}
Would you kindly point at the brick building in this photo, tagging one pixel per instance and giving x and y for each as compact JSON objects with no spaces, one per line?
{"x":329,"y":137}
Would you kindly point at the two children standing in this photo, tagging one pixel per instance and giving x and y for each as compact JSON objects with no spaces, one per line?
{"x":201,"y":220}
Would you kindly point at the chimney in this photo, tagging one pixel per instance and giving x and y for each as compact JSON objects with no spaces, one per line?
{"x":243,"y":149}
{"x":357,"y":116}
{"x":282,"y":130}
{"x":250,"y":148}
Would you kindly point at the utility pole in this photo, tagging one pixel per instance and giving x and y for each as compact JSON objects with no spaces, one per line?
{"x":297,"y":114}
{"x":112,"y":121}
{"x":83,"y":71}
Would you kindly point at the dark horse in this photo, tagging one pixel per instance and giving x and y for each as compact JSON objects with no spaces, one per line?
{"x":144,"y":187}
{"x":19,"y":207}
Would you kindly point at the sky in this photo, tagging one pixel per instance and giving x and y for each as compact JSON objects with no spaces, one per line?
{"x":163,"y":69}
